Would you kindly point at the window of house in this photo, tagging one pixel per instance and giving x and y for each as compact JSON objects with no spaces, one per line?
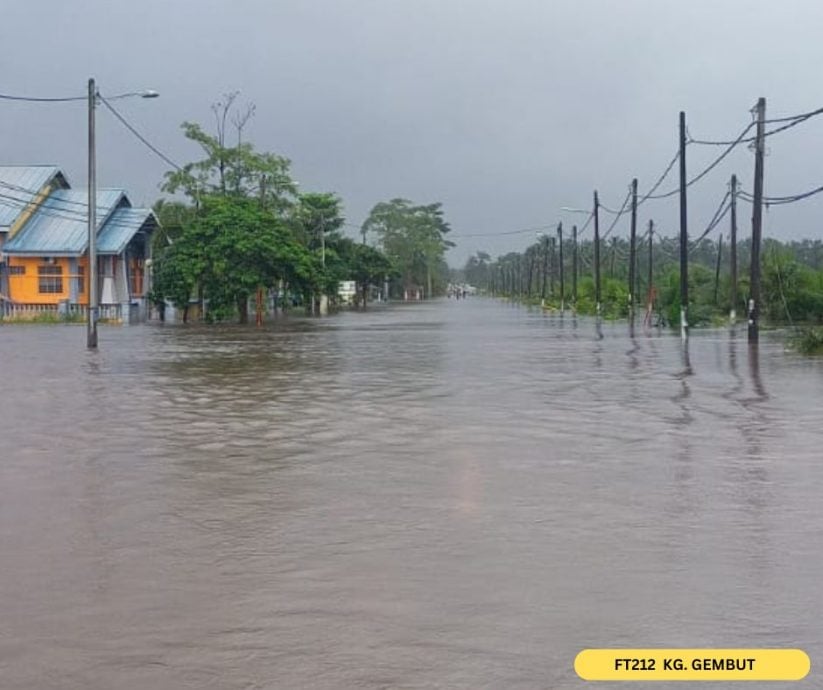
{"x":81,"y":279}
{"x":17,"y":270}
{"x":50,"y":279}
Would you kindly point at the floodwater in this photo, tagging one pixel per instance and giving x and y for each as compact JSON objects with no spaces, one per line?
{"x":444,"y":495}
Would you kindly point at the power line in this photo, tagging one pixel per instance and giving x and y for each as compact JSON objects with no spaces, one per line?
{"x":35,"y":99}
{"x":709,"y":168}
{"x":609,"y":210}
{"x":792,"y":121}
{"x":780,"y":200}
{"x":801,"y":116}
{"x":63,"y":214}
{"x":668,"y":169}
{"x":47,"y":206}
{"x":499,"y":234}
{"x":719,"y":214}
{"x":771,"y":132}
{"x":139,"y":136}
{"x":648,"y":194}
{"x":617,"y":216}
{"x":586,"y":224}
{"x":35,"y":192}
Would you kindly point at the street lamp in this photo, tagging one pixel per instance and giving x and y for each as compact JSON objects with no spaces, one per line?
{"x":91,"y":319}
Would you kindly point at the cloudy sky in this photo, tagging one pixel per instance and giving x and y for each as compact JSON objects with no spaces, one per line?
{"x":504,"y":111}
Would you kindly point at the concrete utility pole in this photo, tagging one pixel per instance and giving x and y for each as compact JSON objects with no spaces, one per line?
{"x":757,"y":223}
{"x":596,"y":254}
{"x":93,"y":309}
{"x":684,"y":236}
{"x":560,"y":261}
{"x":552,"y":267}
{"x":633,"y":250}
{"x":574,"y":265}
{"x":91,"y":316}
{"x":733,"y":252}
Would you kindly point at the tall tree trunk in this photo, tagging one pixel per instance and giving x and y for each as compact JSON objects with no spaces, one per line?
{"x":365,"y":292}
{"x":243,"y":309}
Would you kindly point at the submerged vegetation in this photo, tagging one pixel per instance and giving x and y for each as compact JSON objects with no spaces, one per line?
{"x":808,"y":341}
{"x":792,"y":280}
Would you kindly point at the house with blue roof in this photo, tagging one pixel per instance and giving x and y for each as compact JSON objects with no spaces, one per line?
{"x":44,"y":247}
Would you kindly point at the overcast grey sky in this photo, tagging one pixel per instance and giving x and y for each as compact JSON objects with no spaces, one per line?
{"x":504,"y":111}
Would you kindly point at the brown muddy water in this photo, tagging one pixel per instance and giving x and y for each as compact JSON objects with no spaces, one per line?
{"x":444,"y":495}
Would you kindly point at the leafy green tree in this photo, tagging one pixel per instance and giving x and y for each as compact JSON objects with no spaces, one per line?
{"x":172,"y":217}
{"x":237,"y":171}
{"x":177,"y":269}
{"x":316,"y":220}
{"x":414,"y":239}
{"x":232,"y":248}
{"x":476,"y":271}
{"x":317,"y":216}
{"x":368,"y":266}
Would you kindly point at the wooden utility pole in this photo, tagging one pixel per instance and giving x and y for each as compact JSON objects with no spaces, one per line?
{"x":560,"y":264}
{"x":733,"y":252}
{"x":684,"y":236}
{"x":717,"y":268}
{"x":574,"y":265}
{"x":613,"y":257}
{"x":633,"y":250}
{"x":757,"y":223}
{"x":545,"y":267}
{"x":651,"y":269}
{"x":596,"y":253}
{"x":552,"y":268}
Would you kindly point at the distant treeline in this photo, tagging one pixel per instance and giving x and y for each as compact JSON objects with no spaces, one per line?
{"x":792,"y":283}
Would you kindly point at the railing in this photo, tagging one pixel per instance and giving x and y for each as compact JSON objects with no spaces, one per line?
{"x":65,"y":310}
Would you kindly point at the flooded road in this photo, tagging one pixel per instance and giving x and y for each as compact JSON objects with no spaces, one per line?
{"x":446,"y":495}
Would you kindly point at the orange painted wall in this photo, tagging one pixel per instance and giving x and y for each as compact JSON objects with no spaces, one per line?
{"x":25,"y":288}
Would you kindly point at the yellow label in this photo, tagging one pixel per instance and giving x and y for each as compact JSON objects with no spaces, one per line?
{"x":692,"y":664}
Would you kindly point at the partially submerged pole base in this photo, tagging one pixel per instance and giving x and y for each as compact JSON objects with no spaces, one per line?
{"x":91,"y":334}
{"x":753,"y":330}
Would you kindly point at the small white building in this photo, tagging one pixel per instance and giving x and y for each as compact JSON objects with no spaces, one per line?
{"x":347,"y":291}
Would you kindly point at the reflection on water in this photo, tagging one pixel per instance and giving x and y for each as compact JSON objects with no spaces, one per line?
{"x":457,"y":494}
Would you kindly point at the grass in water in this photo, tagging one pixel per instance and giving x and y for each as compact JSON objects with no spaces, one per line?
{"x":808,"y":341}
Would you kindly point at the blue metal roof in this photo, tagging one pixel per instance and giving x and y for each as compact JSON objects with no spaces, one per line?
{"x":118,"y":230}
{"x":19,"y":184}
{"x":59,"y":226}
